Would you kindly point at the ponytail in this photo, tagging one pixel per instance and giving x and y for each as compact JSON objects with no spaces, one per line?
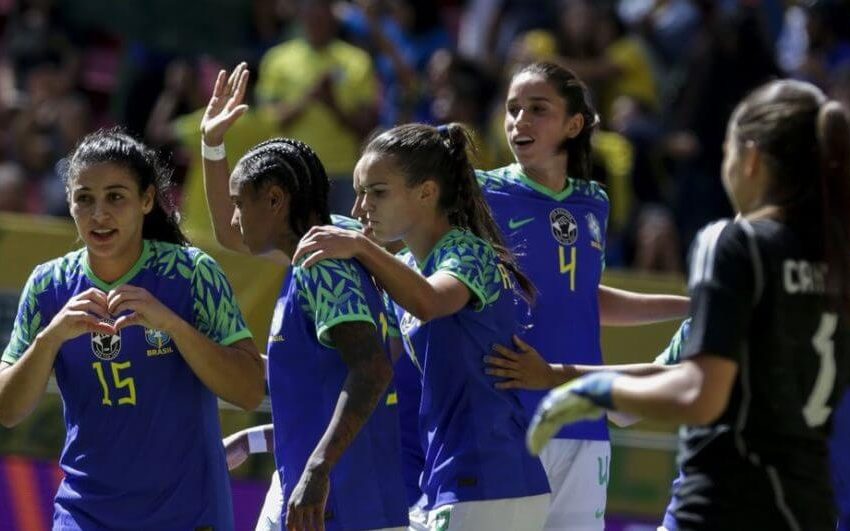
{"x":806,"y":140}
{"x":833,"y":137}
{"x":470,"y":210}
{"x":423,"y":152}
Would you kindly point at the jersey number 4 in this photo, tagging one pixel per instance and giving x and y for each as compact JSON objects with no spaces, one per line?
{"x":120,"y":383}
{"x":816,"y":411}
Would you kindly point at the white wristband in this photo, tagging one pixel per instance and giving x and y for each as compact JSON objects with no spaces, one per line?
{"x":257,"y":440}
{"x":213,"y":152}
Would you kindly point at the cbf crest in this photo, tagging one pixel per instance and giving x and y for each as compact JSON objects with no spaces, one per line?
{"x":595,"y":231}
{"x":408,"y":324}
{"x":106,"y":346}
{"x":564,"y":226}
{"x":276,"y":329}
{"x":156,"y":338}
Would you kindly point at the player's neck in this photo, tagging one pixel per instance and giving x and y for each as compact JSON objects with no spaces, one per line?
{"x":111,"y":268}
{"x":766,"y":211}
{"x":424,"y":236}
{"x":550,"y":174}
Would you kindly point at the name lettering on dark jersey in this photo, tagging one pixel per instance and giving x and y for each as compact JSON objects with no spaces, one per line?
{"x":800,"y":276}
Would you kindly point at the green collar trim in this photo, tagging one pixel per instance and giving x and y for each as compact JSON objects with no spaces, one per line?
{"x":106,"y":286}
{"x":537,"y":187}
{"x":421,"y":265}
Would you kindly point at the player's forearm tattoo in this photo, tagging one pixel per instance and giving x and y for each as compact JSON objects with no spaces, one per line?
{"x":369,"y":374}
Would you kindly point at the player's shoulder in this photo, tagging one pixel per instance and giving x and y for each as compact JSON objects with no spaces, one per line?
{"x":733,"y":235}
{"x":61,"y":270}
{"x":721,"y":244}
{"x":497,"y":179}
{"x":590,"y":189}
{"x":334,"y":274}
{"x":462,"y":248}
{"x":345,"y":222}
{"x":171,"y":260}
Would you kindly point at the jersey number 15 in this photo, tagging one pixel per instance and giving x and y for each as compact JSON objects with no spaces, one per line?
{"x":120,"y":383}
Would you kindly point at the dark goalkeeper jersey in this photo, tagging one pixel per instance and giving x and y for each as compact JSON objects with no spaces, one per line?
{"x":758,"y":299}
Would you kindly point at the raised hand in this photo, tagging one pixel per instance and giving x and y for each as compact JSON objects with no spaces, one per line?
{"x":327,"y":242}
{"x":84,"y":312}
{"x":226,"y":104}
{"x":144,"y":309}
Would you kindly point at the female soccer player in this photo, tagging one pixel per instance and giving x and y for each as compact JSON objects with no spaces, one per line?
{"x":142,"y":333}
{"x":555,"y":219}
{"x":336,"y":428}
{"x":767,"y":358}
{"x":454,"y":293}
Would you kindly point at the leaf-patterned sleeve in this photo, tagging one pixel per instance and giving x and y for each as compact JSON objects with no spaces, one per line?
{"x":392,"y":321}
{"x":332,"y":292}
{"x":473,"y":262}
{"x":30,"y":318}
{"x":217,"y":314}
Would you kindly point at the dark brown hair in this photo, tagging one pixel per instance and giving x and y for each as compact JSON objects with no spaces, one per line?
{"x":423,"y":152}
{"x":577,"y":97}
{"x":115,"y":146}
{"x":806,"y":142}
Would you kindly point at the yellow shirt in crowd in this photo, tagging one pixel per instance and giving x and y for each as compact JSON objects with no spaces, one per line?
{"x":291,"y":70}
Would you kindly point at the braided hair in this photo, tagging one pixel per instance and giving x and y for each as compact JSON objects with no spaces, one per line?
{"x":295,"y":167}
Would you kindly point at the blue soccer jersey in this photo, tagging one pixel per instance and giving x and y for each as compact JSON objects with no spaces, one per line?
{"x":306,"y":376}
{"x":408,"y":392}
{"x":559,"y":240}
{"x":408,"y":384}
{"x":143,"y":445}
{"x":472,"y":433}
{"x":840,"y":461}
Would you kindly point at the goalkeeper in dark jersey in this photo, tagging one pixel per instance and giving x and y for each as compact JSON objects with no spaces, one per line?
{"x":767,"y":358}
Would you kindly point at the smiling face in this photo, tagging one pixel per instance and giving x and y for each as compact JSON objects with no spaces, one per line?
{"x":536,"y":120}
{"x":387,"y":206}
{"x":109,"y":210}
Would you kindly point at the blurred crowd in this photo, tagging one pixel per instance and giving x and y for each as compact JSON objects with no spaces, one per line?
{"x":665,"y":75}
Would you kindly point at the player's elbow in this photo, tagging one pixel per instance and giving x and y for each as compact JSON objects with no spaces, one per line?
{"x":423,"y":307}
{"x":702,"y":406}
{"x":9,"y":418}
{"x":252,"y":399}
{"x":255,"y":392}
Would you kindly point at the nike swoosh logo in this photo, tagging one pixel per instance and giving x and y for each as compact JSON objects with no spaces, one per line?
{"x":515,"y":224}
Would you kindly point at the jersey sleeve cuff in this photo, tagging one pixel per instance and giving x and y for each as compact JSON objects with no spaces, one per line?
{"x":9,"y":358}
{"x":233,"y":338}
{"x":476,"y":291}
{"x":323,"y":332}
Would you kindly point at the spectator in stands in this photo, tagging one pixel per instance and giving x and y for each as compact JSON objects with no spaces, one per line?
{"x":13,"y":188}
{"x":324,"y":93}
